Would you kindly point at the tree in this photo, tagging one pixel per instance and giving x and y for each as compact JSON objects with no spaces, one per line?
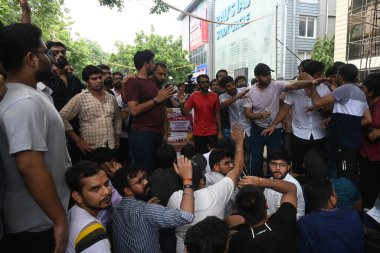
{"x":159,"y":8}
{"x":323,"y":51}
{"x":166,"y":49}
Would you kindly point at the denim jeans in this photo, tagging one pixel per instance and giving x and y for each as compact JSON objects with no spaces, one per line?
{"x":142,"y":148}
{"x":257,"y":143}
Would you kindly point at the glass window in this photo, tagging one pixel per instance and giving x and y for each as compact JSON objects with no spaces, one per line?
{"x":309,"y":1}
{"x":307,"y":27}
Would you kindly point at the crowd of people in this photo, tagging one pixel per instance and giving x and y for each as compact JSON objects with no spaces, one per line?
{"x":273,"y":166}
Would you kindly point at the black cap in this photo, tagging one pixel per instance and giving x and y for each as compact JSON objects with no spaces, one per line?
{"x":199,"y":162}
{"x":262,"y":69}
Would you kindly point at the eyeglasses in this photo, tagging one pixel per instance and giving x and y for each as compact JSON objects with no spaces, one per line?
{"x":141,"y":180}
{"x":46,"y":52}
{"x":274,"y":165}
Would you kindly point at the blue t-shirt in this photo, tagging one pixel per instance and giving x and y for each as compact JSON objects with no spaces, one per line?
{"x":334,"y":231}
{"x":345,"y":126}
{"x":346,"y":190}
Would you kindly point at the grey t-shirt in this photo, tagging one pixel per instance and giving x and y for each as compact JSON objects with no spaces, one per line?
{"x":29,"y":121}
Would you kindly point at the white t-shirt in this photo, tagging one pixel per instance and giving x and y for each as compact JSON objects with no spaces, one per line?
{"x":259,"y":100}
{"x":86,"y":233}
{"x":209,"y":201}
{"x":274,"y":198}
{"x":304,"y":124}
{"x":207,"y":156}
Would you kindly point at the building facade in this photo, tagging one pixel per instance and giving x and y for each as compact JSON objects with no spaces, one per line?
{"x":357,"y":38}
{"x":281,"y":34}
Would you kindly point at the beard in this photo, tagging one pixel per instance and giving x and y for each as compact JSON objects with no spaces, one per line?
{"x":100,"y":206}
{"x":44,"y":73}
{"x":144,"y":196}
{"x":61,"y":63}
{"x":117,"y":85}
{"x":108,"y":82}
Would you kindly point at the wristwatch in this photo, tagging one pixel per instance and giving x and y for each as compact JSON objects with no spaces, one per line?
{"x":155,"y":101}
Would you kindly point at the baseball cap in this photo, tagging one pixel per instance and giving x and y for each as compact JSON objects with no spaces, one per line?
{"x":262,"y":69}
{"x":199,"y":162}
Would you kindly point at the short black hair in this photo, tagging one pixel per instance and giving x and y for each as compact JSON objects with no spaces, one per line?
{"x":90,"y":70}
{"x":219,"y":71}
{"x":16,"y":40}
{"x":208,"y":236}
{"x":142,"y":57}
{"x":238,"y":78}
{"x":161,"y":65}
{"x":202,"y":76}
{"x":348,"y":72}
{"x":103,"y":66}
{"x":117,"y":73}
{"x":318,"y":192}
{"x":165,"y":156}
{"x":372,"y":83}
{"x":250,"y":203}
{"x":50,"y":44}
{"x":225,"y":80}
{"x":333,"y":70}
{"x":313,"y":67}
{"x":120,"y":179}
{"x":188,"y":150}
{"x":81,"y":170}
{"x":101,"y":155}
{"x":304,"y":62}
{"x":218,"y":155}
{"x":279,"y":154}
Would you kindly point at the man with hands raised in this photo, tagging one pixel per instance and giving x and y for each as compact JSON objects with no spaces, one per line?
{"x":274,"y":234}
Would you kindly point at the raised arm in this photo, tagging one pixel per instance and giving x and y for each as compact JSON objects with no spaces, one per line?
{"x":284,"y":109}
{"x":237,"y":134}
{"x":289,"y":190}
{"x":184,"y":170}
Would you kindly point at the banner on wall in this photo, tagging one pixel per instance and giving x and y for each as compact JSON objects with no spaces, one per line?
{"x":198,"y":28}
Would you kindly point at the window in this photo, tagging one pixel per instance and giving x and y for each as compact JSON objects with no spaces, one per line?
{"x":307,"y":27}
{"x":303,"y":55}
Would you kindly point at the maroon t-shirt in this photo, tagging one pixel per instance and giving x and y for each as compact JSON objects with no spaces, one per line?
{"x":142,"y":90}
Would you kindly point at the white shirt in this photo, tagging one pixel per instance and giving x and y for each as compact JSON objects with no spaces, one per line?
{"x":82,"y":228}
{"x":305,"y":124}
{"x":45,"y":90}
{"x":207,"y":156}
{"x":274,"y":198}
{"x":209,"y":201}
{"x":236,"y":111}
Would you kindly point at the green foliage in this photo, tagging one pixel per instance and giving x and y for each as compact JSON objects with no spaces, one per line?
{"x":166,"y":49}
{"x":159,"y":8}
{"x":55,"y":25}
{"x":112,"y":3}
{"x":323,"y":51}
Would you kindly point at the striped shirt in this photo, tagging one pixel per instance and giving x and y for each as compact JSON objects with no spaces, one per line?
{"x":136,"y":223}
{"x":99,"y":122}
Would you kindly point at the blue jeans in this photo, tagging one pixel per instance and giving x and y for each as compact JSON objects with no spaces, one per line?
{"x":257,"y":147}
{"x":142,"y":148}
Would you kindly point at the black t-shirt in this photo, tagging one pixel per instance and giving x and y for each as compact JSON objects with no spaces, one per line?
{"x":277,"y":235}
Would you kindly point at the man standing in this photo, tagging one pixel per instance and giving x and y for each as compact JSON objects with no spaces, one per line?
{"x":224,"y":117}
{"x":207,"y":123}
{"x":279,"y":166}
{"x":349,"y":113}
{"x":307,"y":131}
{"x":145,"y":102}
{"x":261,"y":106}
{"x":117,"y":77}
{"x":64,"y":86}
{"x":91,"y":191}
{"x":32,"y":147}
{"x":135,"y":222}
{"x":107,"y":78}
{"x":98,"y":113}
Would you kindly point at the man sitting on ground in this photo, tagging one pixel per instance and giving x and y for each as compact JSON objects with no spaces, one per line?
{"x":274,"y":234}
{"x":328,"y":228}
{"x":135,"y":222}
{"x":279,"y":166}
{"x":91,"y":191}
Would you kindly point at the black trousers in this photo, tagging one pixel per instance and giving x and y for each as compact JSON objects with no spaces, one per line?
{"x":299,"y":147}
{"x":369,"y":180}
{"x":201,"y":143}
{"x":41,"y":242}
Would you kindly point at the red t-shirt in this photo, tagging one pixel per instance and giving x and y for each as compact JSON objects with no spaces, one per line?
{"x":205,"y":108}
{"x":372,"y":150}
{"x":142,"y":90}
